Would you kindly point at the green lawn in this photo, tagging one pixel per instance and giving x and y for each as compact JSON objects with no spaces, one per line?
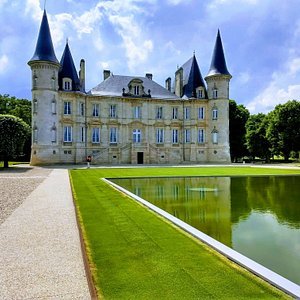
{"x":134,"y":254}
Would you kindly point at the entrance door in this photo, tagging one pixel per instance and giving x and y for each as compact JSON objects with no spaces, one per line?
{"x":140,"y":158}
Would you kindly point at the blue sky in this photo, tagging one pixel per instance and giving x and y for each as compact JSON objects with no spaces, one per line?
{"x":261,"y":40}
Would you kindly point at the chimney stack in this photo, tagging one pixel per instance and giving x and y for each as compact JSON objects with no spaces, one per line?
{"x":82,"y":75}
{"x":149,"y":76}
{"x":168,"y":84}
{"x":106,"y":74}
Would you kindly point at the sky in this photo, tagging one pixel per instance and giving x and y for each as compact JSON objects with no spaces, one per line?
{"x":261,"y":40}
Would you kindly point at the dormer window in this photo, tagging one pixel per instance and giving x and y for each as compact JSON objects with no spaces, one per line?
{"x":200,"y":93}
{"x":136,"y":90}
{"x":135,"y":87}
{"x":67,"y":84}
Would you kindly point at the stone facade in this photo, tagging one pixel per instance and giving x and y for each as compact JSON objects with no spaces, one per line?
{"x":126,"y":120}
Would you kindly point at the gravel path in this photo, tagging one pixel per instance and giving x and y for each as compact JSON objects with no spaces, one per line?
{"x":15,"y":185}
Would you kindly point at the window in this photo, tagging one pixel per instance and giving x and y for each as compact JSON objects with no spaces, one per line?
{"x":67,"y":84}
{"x":137,"y":112}
{"x":35,"y":133}
{"x":201,"y":136}
{"x":159,"y":136}
{"x":215,"y":137}
{"x":53,"y":133}
{"x":82,"y":134}
{"x":95,"y":110}
{"x":136,"y":135}
{"x":35,"y":105}
{"x":159,"y":112}
{"x":187,"y":113}
{"x":113,"y":111}
{"x":96,"y":135}
{"x":136,"y":90}
{"x":201,"y":113}
{"x":67,"y":108}
{"x":53,"y":106}
{"x":175,"y":136}
{"x":187,"y":135}
{"x":215,"y":113}
{"x":215,"y":93}
{"x":175,"y":113}
{"x":81,"y":108}
{"x":113,"y":135}
{"x":200,"y":93}
{"x":68,"y":134}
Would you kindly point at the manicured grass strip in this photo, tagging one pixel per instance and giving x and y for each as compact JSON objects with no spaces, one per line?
{"x":193,"y":171}
{"x":137,"y":255}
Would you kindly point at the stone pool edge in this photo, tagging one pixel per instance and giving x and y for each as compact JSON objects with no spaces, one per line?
{"x":273,"y":278}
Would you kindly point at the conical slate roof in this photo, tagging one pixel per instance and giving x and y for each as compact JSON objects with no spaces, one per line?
{"x":68,"y":70}
{"x":44,"y":47}
{"x":218,"y":63}
{"x":192,"y":78}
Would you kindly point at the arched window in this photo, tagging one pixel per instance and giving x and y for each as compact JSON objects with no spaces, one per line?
{"x":53,"y":133}
{"x":215,"y":113}
{"x":53,"y":106}
{"x":35,"y":134}
{"x":215,"y":136}
{"x":35,"y":105}
{"x":215,"y":93}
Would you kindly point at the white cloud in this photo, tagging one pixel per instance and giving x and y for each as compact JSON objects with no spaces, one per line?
{"x":282,"y":87}
{"x":244,"y":77}
{"x":176,"y":2}
{"x":32,"y":8}
{"x":3,"y":63}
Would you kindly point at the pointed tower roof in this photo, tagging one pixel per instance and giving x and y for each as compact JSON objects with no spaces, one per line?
{"x":218,"y":63}
{"x":68,"y":70}
{"x":192,"y":77}
{"x":44,"y":47}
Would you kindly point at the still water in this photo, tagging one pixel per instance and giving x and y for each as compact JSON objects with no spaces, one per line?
{"x":256,"y":216}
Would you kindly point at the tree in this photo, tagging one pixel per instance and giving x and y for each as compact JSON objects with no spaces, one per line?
{"x":256,"y":140}
{"x":13,"y":133}
{"x":17,"y":107}
{"x":283,"y":131}
{"x":20,"y":108}
{"x":238,"y":116}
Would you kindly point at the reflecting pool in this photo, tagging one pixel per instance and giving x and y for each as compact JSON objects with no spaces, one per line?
{"x":256,"y":216}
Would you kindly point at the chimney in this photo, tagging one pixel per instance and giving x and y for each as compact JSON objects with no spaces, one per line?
{"x":179,"y":82}
{"x":106,"y":74}
{"x":82,"y":75}
{"x":149,"y":76}
{"x":168,"y":84}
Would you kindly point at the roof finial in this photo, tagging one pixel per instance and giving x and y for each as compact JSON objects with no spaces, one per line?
{"x":45,"y":1}
{"x":67,"y":41}
{"x":194,"y":53}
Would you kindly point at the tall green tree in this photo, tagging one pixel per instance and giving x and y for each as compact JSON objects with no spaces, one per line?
{"x":17,"y":107}
{"x":20,"y":108}
{"x":13,"y":134}
{"x":283,"y":131}
{"x":256,"y":140}
{"x":238,"y":116}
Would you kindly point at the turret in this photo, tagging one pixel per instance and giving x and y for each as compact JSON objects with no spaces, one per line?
{"x":217,"y":80}
{"x":44,"y":66}
{"x":188,"y":80}
{"x":67,"y":77}
{"x":218,"y":76}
